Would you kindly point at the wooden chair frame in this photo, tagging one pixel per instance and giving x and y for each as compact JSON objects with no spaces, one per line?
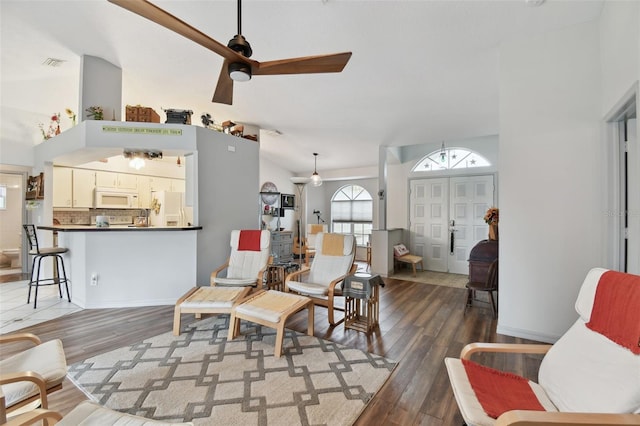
{"x":331,"y":294}
{"x":534,"y":418}
{"x":259,"y":277}
{"x":28,"y":376}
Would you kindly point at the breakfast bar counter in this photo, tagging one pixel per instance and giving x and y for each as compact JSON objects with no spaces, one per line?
{"x":93,"y":228}
{"x":127,"y":266}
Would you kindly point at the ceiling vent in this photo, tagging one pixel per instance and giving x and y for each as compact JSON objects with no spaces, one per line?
{"x":53,"y":62}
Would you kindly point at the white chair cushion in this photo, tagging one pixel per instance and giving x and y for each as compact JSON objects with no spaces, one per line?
{"x":267,"y":314}
{"x":89,"y":413}
{"x":603,"y":376}
{"x":46,"y":359}
{"x":212,"y":298}
{"x":316,"y":290}
{"x":470,"y":408}
{"x":234,"y":281}
{"x":587,"y":294}
{"x":247,"y":264}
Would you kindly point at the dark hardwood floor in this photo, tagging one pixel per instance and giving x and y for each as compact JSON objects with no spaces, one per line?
{"x":420,"y":325}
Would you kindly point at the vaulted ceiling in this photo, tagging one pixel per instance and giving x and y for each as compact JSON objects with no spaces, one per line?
{"x":421,"y":71}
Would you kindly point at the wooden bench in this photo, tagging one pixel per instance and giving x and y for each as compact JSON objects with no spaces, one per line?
{"x":413,"y":260}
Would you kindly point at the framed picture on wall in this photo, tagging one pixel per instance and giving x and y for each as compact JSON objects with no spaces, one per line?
{"x":35,"y":187}
{"x":287,"y":201}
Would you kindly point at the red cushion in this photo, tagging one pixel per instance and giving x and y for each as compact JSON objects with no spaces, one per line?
{"x":249,"y":240}
{"x":616,"y":309}
{"x":498,"y":391}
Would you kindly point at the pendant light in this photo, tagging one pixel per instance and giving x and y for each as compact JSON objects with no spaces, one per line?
{"x":316,"y":180}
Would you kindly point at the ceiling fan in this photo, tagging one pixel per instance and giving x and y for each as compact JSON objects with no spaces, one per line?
{"x":237,"y":65}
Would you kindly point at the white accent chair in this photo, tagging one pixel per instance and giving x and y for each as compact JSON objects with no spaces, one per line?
{"x":28,"y":376}
{"x":323,"y":281}
{"x":87,"y":413}
{"x":584,"y":378}
{"x":310,"y":247}
{"x":244,"y":267}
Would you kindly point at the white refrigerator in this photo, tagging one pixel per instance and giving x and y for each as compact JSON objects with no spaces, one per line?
{"x":167,"y":209}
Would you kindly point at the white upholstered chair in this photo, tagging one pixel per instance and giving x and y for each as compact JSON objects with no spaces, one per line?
{"x":585,"y":378}
{"x":313,"y":229}
{"x":28,"y":376}
{"x":334,"y":260}
{"x":87,"y":413}
{"x":250,"y":252}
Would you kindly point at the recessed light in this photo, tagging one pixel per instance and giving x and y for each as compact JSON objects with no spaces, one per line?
{"x":53,"y":62}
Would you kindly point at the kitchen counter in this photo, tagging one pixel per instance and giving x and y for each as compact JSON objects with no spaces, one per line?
{"x":93,"y":228}
{"x":126,"y":266}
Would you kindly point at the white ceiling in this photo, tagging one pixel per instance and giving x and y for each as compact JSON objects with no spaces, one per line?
{"x":421,"y":71}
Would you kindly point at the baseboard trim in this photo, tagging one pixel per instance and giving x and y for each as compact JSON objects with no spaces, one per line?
{"x":127,"y":304}
{"x":526,"y":334}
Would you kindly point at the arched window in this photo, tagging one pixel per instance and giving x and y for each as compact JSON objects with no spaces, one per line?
{"x":352,"y":213}
{"x":450,"y":158}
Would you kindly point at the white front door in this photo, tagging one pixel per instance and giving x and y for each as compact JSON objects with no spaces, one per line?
{"x":447,"y":219}
{"x":429,"y":204}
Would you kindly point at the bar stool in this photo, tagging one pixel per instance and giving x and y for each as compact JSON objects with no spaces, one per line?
{"x":39,"y":254}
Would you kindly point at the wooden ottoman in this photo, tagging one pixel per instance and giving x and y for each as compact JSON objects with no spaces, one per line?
{"x":413,"y":260}
{"x":271,"y":309}
{"x":207,"y":300}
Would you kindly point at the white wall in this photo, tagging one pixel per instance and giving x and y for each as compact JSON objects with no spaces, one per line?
{"x":550,"y":178}
{"x":620,"y":47}
{"x":269,"y":172}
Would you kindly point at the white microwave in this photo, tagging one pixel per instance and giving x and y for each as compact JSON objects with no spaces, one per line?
{"x":111,"y":198}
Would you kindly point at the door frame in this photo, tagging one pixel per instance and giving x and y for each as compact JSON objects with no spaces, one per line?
{"x":614,"y":226}
{"x":24,"y":249}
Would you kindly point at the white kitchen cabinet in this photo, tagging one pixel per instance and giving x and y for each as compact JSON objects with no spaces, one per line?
{"x":127,"y":181}
{"x":83,"y":187}
{"x":144,"y":192}
{"x":62,"y":187}
{"x":160,"y":184}
{"x":106,"y":179}
{"x":116,"y":180}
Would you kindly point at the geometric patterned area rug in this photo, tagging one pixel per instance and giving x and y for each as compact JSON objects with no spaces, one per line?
{"x":201,"y":377}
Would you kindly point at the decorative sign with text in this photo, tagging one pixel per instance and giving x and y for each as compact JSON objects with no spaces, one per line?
{"x":142,"y":130}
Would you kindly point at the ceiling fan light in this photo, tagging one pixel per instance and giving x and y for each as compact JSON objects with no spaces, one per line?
{"x":136,"y":163}
{"x":239,"y":71}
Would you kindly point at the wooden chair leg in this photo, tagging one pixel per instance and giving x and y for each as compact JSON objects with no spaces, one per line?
{"x":494,"y":309}
{"x":279,"y":338}
{"x":176,"y":320}
{"x":310,"y":313}
{"x":232,"y":326}
{"x":413,"y":265}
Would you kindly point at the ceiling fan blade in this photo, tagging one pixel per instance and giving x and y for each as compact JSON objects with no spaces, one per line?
{"x":161,"y":17}
{"x":304,"y":65}
{"x":224,"y":88}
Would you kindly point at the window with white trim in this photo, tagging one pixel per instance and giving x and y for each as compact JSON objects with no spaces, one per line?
{"x":352,"y":213}
{"x":450,"y":158}
{"x":3,"y":197}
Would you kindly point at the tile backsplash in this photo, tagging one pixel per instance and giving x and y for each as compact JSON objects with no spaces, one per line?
{"x":87,"y":217}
